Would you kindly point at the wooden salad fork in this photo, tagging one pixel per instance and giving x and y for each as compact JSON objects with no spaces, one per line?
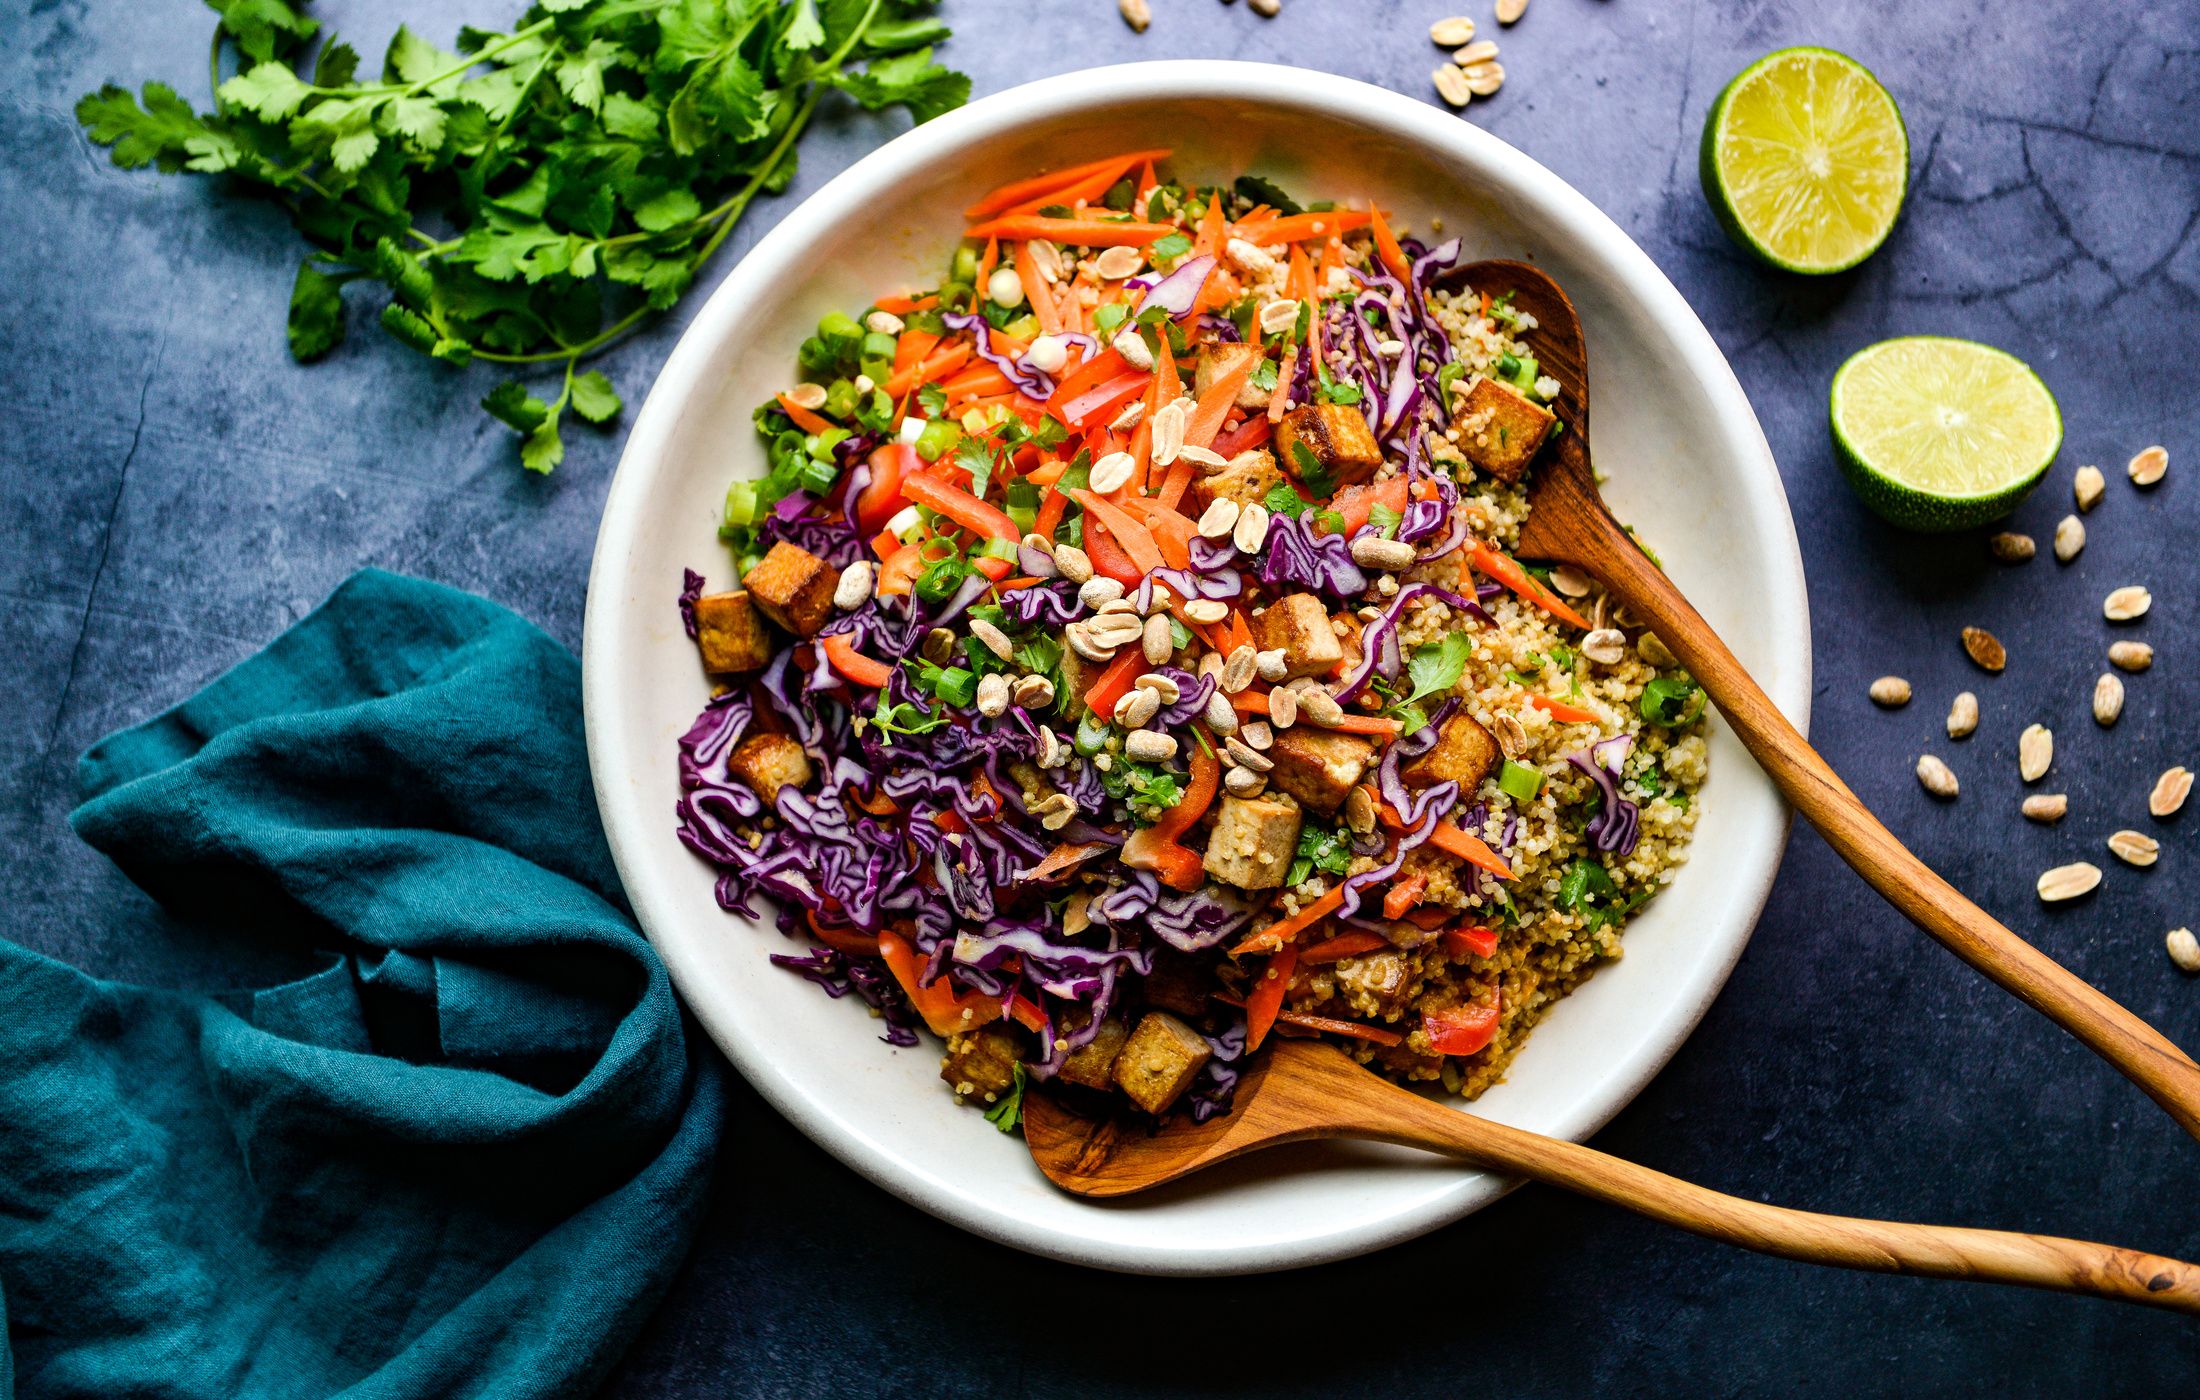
{"x":1301,"y":1090}
{"x":1568,"y":523}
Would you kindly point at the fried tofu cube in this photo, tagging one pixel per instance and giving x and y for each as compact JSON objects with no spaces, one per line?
{"x":1319,"y":766}
{"x":769,"y":762}
{"x":1373,"y":984}
{"x":1179,"y":982}
{"x":1501,"y":429}
{"x":1082,"y":675}
{"x":1465,"y":753}
{"x":1248,"y":479}
{"x":1160,"y":1060}
{"x":980,"y":1064}
{"x":1298,"y":624}
{"x":1337,"y":437}
{"x":794,"y":588}
{"x":730,"y":634}
{"x":1253,"y":841}
{"x":1218,"y":362}
{"x":1093,"y":1063}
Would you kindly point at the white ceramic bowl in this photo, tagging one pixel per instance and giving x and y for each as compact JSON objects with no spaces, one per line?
{"x":1687,"y":464}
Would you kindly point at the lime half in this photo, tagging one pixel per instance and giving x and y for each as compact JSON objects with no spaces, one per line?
{"x":1805,"y":160}
{"x":1942,"y":434}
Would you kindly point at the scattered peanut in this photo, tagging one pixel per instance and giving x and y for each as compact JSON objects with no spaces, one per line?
{"x":2069,"y":538}
{"x":2012,"y":548}
{"x":2127,"y":604}
{"x":1938,"y":778}
{"x":1962,"y":715}
{"x":2046,"y":806}
{"x":2130,"y":656}
{"x":1452,"y":32}
{"x":1136,"y":13}
{"x":2086,"y":487}
{"x":2184,"y":949}
{"x":2149,"y":466}
{"x":1985,"y":648}
{"x":2170,"y":792}
{"x":2080,"y":877}
{"x":2108,"y":699}
{"x":2035,"y":752}
{"x":1889,"y":692}
{"x":2135,"y":848}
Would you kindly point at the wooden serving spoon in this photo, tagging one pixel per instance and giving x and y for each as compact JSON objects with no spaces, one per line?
{"x":1299,"y":1090}
{"x":1568,"y":523}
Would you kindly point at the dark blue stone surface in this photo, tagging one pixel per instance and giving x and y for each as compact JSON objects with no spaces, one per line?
{"x":173,"y":492}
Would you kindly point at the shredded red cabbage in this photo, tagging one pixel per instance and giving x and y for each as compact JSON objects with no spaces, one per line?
{"x":1296,"y":555}
{"x":1179,"y":292}
{"x":1618,"y":823}
{"x":1036,"y":383}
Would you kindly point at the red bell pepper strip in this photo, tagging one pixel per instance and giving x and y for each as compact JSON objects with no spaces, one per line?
{"x":969,"y":512}
{"x":1103,"y":401}
{"x":1268,"y":993}
{"x":1246,"y":436}
{"x":1159,"y":847}
{"x":1460,"y":1030}
{"x":890,"y":464}
{"x":852,"y":665}
{"x":1115,"y":682}
{"x":945,"y":1010}
{"x":1108,"y":558}
{"x":1459,"y":942}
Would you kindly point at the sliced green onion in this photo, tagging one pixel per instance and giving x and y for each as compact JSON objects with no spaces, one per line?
{"x":939,"y":435}
{"x":1092,"y":735}
{"x":1520,"y":782}
{"x":741,"y":503}
{"x":991,"y":548}
{"x":956,"y":686}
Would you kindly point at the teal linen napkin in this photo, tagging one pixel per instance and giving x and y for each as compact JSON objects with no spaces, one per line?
{"x":464,"y":1157}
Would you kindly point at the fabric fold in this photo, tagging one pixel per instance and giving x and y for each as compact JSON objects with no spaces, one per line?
{"x":465,"y":1154}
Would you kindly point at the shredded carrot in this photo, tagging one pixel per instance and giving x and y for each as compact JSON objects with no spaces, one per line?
{"x":1267,"y":995}
{"x":1137,"y":541}
{"x":1026,"y":190}
{"x":1293,"y":227}
{"x":1212,"y":228}
{"x":1367,"y":724}
{"x":1087,"y":190}
{"x":945,"y":362}
{"x":1374,"y":1035}
{"x":1011,"y":585}
{"x":1404,"y":895}
{"x":1563,"y":712}
{"x":1283,"y":930}
{"x":1455,"y":840}
{"x":1215,"y":405}
{"x":986,"y":264}
{"x":807,"y":421}
{"x":1508,"y":572}
{"x":1172,"y":532}
{"x":1386,"y":248}
{"x":1285,"y":373}
{"x":1084,"y":233}
{"x":1344,"y":945}
{"x":1048,"y":474}
{"x":1037,"y":291}
{"x":945,"y":1010}
{"x":979,"y":379}
{"x":911,"y":346}
{"x":902,"y":306}
{"x":1176,"y":483}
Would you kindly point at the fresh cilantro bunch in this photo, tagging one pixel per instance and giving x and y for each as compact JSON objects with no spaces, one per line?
{"x":534,"y":194}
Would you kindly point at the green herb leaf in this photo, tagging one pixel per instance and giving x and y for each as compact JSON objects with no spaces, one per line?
{"x":316,"y":313}
{"x":1284,"y":499}
{"x":1255,"y":190}
{"x":594,"y":398}
{"x":1437,"y":667}
{"x":1009,"y":1110}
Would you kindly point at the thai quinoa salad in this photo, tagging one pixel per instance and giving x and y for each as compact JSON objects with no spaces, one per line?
{"x":1128,"y":664}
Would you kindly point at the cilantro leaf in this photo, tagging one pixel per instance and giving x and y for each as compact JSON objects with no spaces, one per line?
{"x":909,"y":80}
{"x":1009,"y":1111}
{"x":532,"y":193}
{"x":1255,"y":190}
{"x":594,"y":398}
{"x":1283,"y":499}
{"x":1437,"y":667}
{"x":316,"y":313}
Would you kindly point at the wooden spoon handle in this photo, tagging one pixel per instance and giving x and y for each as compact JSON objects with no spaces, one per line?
{"x":1885,"y":1246}
{"x":2142,"y":1053}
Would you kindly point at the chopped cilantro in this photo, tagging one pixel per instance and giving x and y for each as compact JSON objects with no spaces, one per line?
{"x":1009,"y":1110}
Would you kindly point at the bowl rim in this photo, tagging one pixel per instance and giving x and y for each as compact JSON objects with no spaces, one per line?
{"x":629,"y":828}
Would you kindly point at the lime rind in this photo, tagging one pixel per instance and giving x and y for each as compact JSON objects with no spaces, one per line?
{"x":1937,"y":433}
{"x":1776,"y":138}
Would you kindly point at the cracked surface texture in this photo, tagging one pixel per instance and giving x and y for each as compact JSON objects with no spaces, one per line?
{"x":174,"y":492}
